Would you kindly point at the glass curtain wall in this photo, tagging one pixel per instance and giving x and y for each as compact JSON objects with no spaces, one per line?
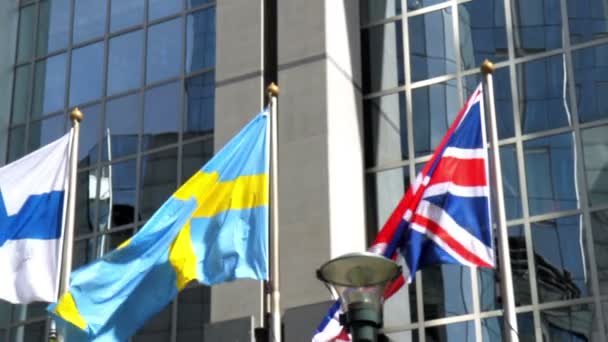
{"x":421,"y":61}
{"x":142,"y":72}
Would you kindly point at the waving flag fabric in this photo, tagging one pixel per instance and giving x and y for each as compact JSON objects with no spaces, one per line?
{"x":32,"y":192}
{"x":445,"y":215}
{"x":213,"y":229}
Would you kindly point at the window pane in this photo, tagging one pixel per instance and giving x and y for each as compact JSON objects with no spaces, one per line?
{"x":124,"y":64}
{"x":200,"y":31}
{"x":385,"y":129}
{"x":413,"y":5}
{"x":456,"y":332}
{"x":49,"y":86}
{"x":384,"y":190}
{"x":196,"y":3}
{"x":193,"y":302}
{"x":121,"y":177}
{"x":27,"y":16}
{"x":446,"y":291}
{"x":200,"y":111}
{"x":122,"y":125}
{"x":33,"y":332}
{"x":86,"y":199}
{"x":53,"y":26}
{"x":570,"y":323}
{"x":542,"y":98}
{"x":599,"y":222}
{"x":158,"y":180}
{"x":537,"y":26}
{"x":587,"y":20}
{"x":164,"y":51}
{"x":550,"y":174}
{"x":561,"y":272}
{"x":89,"y":136}
{"x":434,"y":109}
{"x":491,"y":328}
{"x":46,"y":131}
{"x":86,"y":76}
{"x":194,"y":156}
{"x":482,"y":32}
{"x":21,"y":94}
{"x":520,"y":270}
{"x":510,"y":180}
{"x":89,"y":19}
{"x":162,"y":8}
{"x":85,"y":251}
{"x":432,"y":45}
{"x":161,"y":115}
{"x":126,"y":13}
{"x":595,"y":150}
{"x":382,"y":57}
{"x":16,"y":143}
{"x":374,"y":10}
{"x":591,"y":79}
{"x":157,"y":329}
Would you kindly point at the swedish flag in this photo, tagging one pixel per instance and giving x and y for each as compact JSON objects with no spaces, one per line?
{"x":213,"y":229}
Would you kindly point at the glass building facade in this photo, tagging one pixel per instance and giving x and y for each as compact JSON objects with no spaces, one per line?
{"x":142,"y":72}
{"x":420,"y":63}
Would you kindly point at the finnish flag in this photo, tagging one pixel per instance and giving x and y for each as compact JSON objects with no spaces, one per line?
{"x":32,"y":193}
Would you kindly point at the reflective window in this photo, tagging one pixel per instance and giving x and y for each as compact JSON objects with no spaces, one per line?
{"x":87,"y":74}
{"x":126,"y":13}
{"x":89,"y":135}
{"x":384,"y":190}
{"x":194,"y":156}
{"x":525,"y":327}
{"x":158,"y":328}
{"x":571,"y":323}
{"x":382,"y":57}
{"x":49,"y":86}
{"x":122,"y":127}
{"x":25,"y":45}
{"x":46,"y":131}
{"x":164,"y":51}
{"x":21,"y":94}
{"x":455,"y":332}
{"x":446,"y":291}
{"x":158,"y":180}
{"x":28,"y":333}
{"x":482,"y":32}
{"x":537,"y":26}
{"x":591,"y":80}
{"x":587,"y":20}
{"x":200,"y":37}
{"x":519,"y":268}
{"x":117,"y":194}
{"x":161,"y":115}
{"x":161,"y":8}
{"x":16,"y":143}
{"x":124,"y":62}
{"x":491,"y":329}
{"x":434,"y":108}
{"x":89,"y":19}
{"x":595,"y":151}
{"x":374,"y":10}
{"x":550,"y":174}
{"x":196,"y":3}
{"x":200,"y":95}
{"x":84,"y":251}
{"x":386,"y":129}
{"x":110,"y":241}
{"x":432,"y":45}
{"x":560,"y":260}
{"x":413,"y":5}
{"x":599,"y":222}
{"x":542,"y":99}
{"x":510,"y":181}
{"x":53,"y":26}
{"x":86,"y":199}
{"x":193,"y":302}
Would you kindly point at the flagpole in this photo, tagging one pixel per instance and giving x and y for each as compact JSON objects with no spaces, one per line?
{"x":275,"y":334}
{"x":508,"y":298}
{"x":68,"y":238}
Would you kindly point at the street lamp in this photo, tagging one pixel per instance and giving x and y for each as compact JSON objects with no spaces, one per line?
{"x":360,"y":279}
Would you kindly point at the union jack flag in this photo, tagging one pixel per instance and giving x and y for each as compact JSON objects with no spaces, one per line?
{"x":445,"y":216}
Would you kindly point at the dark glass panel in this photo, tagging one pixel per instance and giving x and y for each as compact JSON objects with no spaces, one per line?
{"x":200,"y":102}
{"x":45,"y":131}
{"x":385,"y":129}
{"x":89,"y":136}
{"x":53,"y":26}
{"x":89,"y":19}
{"x":33,"y":332}
{"x":595,"y":150}
{"x":193,"y":301}
{"x":599,"y":224}
{"x":492,"y":328}
{"x":122,"y":127}
{"x":126,"y":13}
{"x":587,"y":20}
{"x":374,"y":10}
{"x":158,"y":180}
{"x":446,"y":291}
{"x":432,"y":45}
{"x":21,"y":94}
{"x":413,"y":5}
{"x":161,"y":115}
{"x":537,"y":26}
{"x":591,"y":82}
{"x":519,"y":268}
{"x":117,"y":194}
{"x":510,"y":179}
{"x":194,"y":156}
{"x":200,"y":38}
{"x":569,"y":324}
{"x":124,"y":64}
{"x":162,"y":8}
{"x":16,"y":143}
{"x":382,"y":57}
{"x":25,"y":44}
{"x":384,"y":190}
{"x":455,"y":332}
{"x":84,"y":251}
{"x":550,"y":174}
{"x":196,"y":3}
{"x":164,"y":50}
{"x":86,"y":199}
{"x":87,"y":74}
{"x":49,"y":86}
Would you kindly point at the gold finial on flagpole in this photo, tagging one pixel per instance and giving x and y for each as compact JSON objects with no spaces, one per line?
{"x":487,"y":67}
{"x":76,"y":114}
{"x":273,"y":89}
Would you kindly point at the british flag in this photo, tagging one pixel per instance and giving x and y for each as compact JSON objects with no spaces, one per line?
{"x":445,"y":215}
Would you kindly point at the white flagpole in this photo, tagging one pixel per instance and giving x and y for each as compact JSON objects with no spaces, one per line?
{"x":508,"y":297}
{"x":275,"y":304}
{"x":68,"y":235}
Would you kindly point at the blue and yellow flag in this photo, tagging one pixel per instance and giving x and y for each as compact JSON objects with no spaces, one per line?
{"x":213,"y":229}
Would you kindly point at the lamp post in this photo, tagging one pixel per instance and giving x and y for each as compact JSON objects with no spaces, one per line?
{"x":360,"y":279}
